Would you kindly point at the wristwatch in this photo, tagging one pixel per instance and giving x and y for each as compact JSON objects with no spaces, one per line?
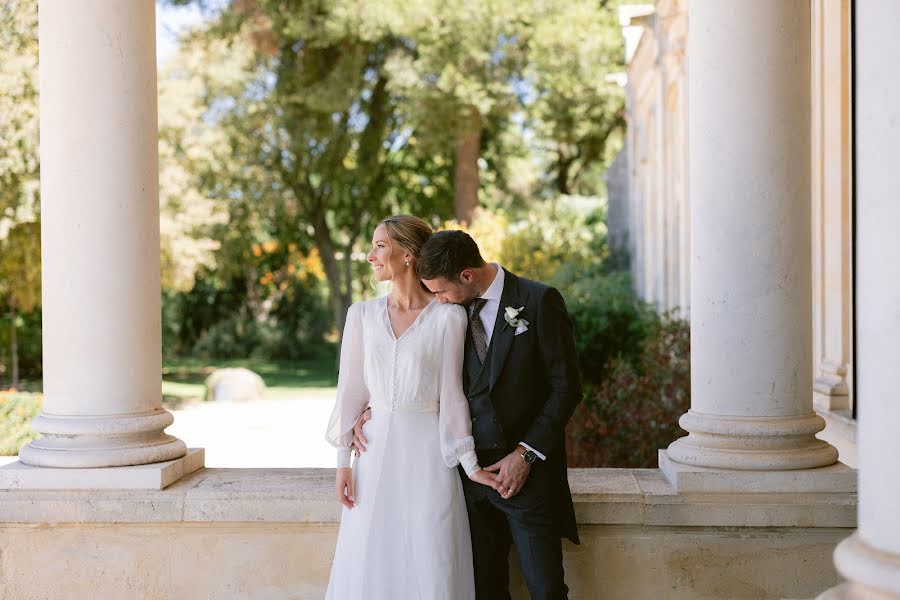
{"x":529,"y":456}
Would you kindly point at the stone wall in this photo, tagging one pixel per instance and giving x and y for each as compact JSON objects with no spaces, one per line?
{"x":270,"y":533}
{"x":617,"y":204}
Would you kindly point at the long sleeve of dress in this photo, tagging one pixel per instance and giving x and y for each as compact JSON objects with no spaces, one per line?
{"x":352,"y":394}
{"x":457,"y":443}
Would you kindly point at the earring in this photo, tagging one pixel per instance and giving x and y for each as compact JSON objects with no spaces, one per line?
{"x":407,"y":262}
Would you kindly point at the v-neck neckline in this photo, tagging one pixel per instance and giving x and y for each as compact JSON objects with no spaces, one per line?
{"x":390,"y":326}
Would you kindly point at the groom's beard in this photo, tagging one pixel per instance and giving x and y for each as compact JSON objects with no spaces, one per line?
{"x":471,"y":291}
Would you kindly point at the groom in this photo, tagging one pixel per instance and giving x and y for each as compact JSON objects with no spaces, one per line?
{"x":522,"y":383}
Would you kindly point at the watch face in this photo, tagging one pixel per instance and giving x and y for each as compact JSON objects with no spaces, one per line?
{"x":529,"y":456}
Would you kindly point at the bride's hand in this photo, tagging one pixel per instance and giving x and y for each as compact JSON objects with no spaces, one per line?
{"x":485,"y":478}
{"x":344,"y":487}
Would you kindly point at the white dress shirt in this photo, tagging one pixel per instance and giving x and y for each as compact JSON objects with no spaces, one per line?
{"x":488,"y":316}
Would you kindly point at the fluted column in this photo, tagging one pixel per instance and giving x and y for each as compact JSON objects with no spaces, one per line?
{"x":870,"y":558}
{"x":100,"y":238}
{"x":751,"y":305}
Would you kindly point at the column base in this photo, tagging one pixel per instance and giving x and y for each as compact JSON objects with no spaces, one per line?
{"x":873,"y":573}
{"x":84,"y":442}
{"x":20,"y":476}
{"x":852,"y":591}
{"x":836,"y":478}
{"x":752,"y":443}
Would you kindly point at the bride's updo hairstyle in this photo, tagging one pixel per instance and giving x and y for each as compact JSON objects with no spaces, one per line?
{"x":408,"y":232}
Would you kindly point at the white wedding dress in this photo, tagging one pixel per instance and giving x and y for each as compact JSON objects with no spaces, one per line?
{"x":408,"y":536}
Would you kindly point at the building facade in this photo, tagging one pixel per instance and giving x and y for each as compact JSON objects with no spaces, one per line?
{"x":652,"y":194}
{"x":809,"y":157}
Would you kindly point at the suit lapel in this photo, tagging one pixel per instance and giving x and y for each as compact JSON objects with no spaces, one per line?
{"x":502,"y":336}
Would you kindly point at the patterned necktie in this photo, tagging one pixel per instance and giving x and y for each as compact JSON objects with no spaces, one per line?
{"x":479,"y":335}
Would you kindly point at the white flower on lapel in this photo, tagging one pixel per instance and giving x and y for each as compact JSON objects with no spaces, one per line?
{"x":511,"y":315}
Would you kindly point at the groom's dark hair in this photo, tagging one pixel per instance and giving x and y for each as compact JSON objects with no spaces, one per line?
{"x":447,"y":254}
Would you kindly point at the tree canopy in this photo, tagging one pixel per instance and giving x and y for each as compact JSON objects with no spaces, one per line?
{"x":19,"y":161}
{"x":318,"y":118}
{"x":300,"y":124}
{"x":20,"y":250}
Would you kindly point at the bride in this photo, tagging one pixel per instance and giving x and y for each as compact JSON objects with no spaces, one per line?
{"x":404,"y":530}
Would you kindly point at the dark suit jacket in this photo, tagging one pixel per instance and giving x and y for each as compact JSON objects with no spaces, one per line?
{"x":535,"y":386}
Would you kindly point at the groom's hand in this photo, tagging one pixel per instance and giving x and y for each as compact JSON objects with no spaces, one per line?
{"x":359,"y":440}
{"x":512,"y":472}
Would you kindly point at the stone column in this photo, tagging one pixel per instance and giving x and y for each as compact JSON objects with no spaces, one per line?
{"x":100,"y":239}
{"x":751,"y":305}
{"x":870,"y":558}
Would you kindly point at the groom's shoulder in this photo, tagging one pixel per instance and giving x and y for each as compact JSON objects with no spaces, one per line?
{"x":536,"y":290}
{"x":530,"y":285}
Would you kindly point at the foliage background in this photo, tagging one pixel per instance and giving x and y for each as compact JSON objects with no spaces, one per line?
{"x":288,"y":128}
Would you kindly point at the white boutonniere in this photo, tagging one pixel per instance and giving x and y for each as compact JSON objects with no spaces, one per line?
{"x":512,"y":319}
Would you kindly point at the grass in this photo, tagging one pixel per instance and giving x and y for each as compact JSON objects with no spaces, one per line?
{"x":183,"y":377}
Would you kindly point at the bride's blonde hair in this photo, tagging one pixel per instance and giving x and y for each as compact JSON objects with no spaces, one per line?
{"x":409,"y":232}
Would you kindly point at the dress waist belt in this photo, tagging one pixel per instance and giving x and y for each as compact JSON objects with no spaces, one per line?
{"x":406,"y":407}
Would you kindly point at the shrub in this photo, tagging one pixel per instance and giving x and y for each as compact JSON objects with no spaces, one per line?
{"x":552,"y":233}
{"x":609,"y":320}
{"x":634,"y":411}
{"x":218,"y":319}
{"x":551,"y":236}
{"x":17,"y":409}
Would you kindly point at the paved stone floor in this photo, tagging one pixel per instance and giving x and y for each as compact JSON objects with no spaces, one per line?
{"x":286,"y":429}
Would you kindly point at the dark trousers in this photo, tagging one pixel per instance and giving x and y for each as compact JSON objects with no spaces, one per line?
{"x":525,"y":520}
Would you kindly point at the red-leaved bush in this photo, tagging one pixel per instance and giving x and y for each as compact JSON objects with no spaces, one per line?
{"x":633,"y":411}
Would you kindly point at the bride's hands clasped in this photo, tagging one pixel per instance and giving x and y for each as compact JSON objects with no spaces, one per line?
{"x":486,"y":478}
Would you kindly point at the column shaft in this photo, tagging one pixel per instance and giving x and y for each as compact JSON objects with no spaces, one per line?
{"x":870,"y":558}
{"x":751,"y":305}
{"x":100,"y":238}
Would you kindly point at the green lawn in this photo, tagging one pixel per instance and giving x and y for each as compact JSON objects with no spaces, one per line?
{"x":182,"y":378}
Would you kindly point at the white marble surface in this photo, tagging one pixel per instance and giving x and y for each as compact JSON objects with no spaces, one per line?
{"x":155,"y":476}
{"x":634,"y":497}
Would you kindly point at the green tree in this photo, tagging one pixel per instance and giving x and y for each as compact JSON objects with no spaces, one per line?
{"x":20,"y":280}
{"x":188,"y":147}
{"x":313,"y":150}
{"x":20,"y":252}
{"x":19,"y":187}
{"x":577,"y":110}
{"x":334,"y":113}
{"x":479,"y":71}
{"x":458,"y":82}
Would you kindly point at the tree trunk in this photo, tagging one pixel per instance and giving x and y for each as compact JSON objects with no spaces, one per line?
{"x":340,"y":300}
{"x":13,"y":343}
{"x":348,"y":269}
{"x":465,"y":172}
{"x":563,"y":170}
